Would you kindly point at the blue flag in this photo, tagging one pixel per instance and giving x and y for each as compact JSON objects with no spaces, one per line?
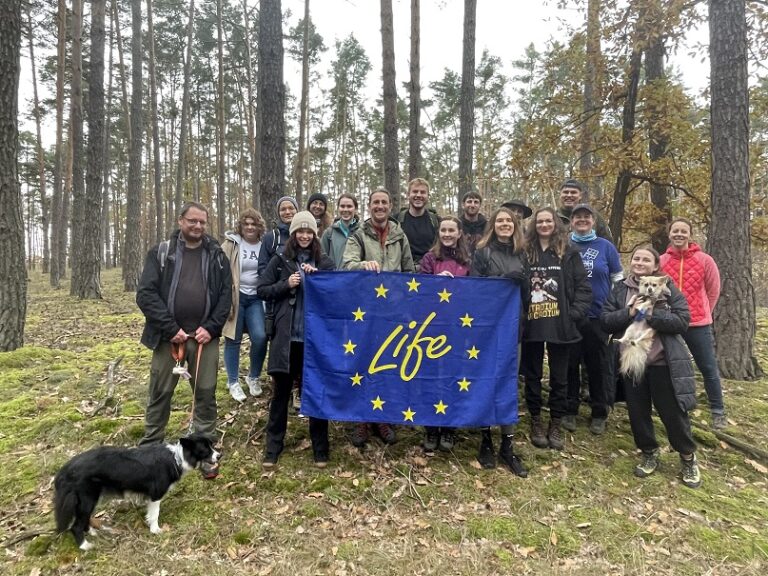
{"x":410,"y":349}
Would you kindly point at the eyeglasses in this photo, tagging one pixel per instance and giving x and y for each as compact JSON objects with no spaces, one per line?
{"x":195,"y":222}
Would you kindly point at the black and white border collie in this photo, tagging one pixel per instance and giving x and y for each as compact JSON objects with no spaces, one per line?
{"x":146,"y":473}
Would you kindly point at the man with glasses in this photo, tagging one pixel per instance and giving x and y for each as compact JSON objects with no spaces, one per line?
{"x":185,"y":293}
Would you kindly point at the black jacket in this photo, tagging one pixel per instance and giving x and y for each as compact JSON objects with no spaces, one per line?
{"x":153,"y":292}
{"x":273,"y":287}
{"x":670,"y":320}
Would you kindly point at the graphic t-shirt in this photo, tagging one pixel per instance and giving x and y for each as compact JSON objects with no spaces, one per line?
{"x":601,"y":260}
{"x":249,"y":266}
{"x":544,"y":310}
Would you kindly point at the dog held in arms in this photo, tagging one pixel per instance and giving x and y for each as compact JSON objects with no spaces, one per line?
{"x":638,"y":337}
{"x":146,"y":473}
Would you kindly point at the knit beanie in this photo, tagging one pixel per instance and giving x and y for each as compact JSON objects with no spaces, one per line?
{"x":287,"y":199}
{"x":303,"y":219}
{"x":317,"y":196}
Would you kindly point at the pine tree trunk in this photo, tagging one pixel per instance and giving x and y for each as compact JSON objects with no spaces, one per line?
{"x":303,"y":110}
{"x":180,"y":169}
{"x":729,"y":238}
{"x":13,"y":275}
{"x":590,"y":125}
{"x":414,"y":132}
{"x":391,"y":160}
{"x":132,"y":244}
{"x":76,"y":128}
{"x":467,"y":115}
{"x":58,"y":223}
{"x":222,"y":130}
{"x":251,"y":113}
{"x":159,"y":233}
{"x":105,"y":204}
{"x":87,"y":283}
{"x":271,"y":105}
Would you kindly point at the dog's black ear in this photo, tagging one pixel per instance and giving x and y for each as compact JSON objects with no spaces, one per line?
{"x":186,"y":442}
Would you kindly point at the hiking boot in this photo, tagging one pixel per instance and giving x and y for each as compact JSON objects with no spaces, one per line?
{"x":597,"y":426}
{"x":386,"y":433}
{"x":236,"y":391}
{"x":555,"y":435}
{"x":432,"y":439}
{"x":648,"y":464}
{"x":719,"y":421}
{"x":538,"y":436}
{"x":359,"y":435}
{"x":447,"y":440}
{"x":254,"y":387}
{"x":485,"y":455}
{"x":510,"y":459}
{"x":569,"y":422}
{"x":689,"y":471}
{"x":296,"y":399}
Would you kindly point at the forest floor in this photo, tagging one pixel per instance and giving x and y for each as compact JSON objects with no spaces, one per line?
{"x":387,"y":510}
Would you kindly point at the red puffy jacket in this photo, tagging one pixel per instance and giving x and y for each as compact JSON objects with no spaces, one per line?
{"x":698,"y":278}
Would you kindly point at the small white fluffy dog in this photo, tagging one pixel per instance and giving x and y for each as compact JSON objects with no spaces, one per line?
{"x":638,"y":337}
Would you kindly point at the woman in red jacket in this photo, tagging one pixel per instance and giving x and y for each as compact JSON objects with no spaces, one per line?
{"x":698,"y":278}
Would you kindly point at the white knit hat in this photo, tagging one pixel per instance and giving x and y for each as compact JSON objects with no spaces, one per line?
{"x":303,"y":219}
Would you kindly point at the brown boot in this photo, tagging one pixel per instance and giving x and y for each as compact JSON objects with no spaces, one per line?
{"x":555,"y":435}
{"x":538,"y":437}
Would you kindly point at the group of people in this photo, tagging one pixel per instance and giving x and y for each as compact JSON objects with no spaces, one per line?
{"x":574,"y":296}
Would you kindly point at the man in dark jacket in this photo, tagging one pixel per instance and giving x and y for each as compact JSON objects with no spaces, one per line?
{"x":472,"y":221}
{"x":185,"y":293}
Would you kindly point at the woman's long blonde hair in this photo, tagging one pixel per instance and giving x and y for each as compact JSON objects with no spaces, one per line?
{"x":518,"y":240}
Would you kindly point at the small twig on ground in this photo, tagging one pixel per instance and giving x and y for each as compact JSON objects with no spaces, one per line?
{"x":413,"y":491}
{"x":28,"y":535}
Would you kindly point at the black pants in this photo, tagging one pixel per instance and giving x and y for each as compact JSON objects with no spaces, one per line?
{"x":593,"y":349}
{"x":532,"y":369}
{"x":656,"y":387}
{"x":278,"y":409}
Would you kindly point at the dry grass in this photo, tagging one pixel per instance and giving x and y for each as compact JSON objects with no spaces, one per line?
{"x":385,"y":511}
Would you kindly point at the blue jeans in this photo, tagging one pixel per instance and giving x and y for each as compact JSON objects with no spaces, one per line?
{"x":250,"y":318}
{"x":701,"y":343}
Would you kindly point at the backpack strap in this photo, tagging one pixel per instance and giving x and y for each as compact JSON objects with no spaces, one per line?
{"x":162,"y":254}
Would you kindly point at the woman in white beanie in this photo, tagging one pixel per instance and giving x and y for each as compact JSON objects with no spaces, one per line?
{"x":282,"y":283}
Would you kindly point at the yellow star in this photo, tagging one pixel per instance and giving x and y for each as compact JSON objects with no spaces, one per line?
{"x":413,"y":286}
{"x":440,"y":407}
{"x":445,"y":296}
{"x":378,"y":403}
{"x":473,"y":352}
{"x":356,"y":379}
{"x":381,"y":292}
{"x":358,"y":314}
{"x":408,"y":414}
{"x":349,"y":348}
{"x":463,"y":385}
{"x":466,"y":320}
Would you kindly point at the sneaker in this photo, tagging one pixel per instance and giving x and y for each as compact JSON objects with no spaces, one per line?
{"x":569,"y":423}
{"x":648,"y":464}
{"x":321,"y":459}
{"x":486,"y":455}
{"x":597,"y":426}
{"x":359,"y":435}
{"x":236,"y":391}
{"x":689,"y":472}
{"x":209,"y":471}
{"x":432,"y":439}
{"x":447,"y":441}
{"x":270,"y":460}
{"x":719,"y":421}
{"x":254,"y":387}
{"x":538,"y":436}
{"x":296,"y":399}
{"x":555,"y":435}
{"x":386,"y":433}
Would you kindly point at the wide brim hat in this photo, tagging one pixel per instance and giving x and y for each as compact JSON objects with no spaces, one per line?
{"x":519,"y":205}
